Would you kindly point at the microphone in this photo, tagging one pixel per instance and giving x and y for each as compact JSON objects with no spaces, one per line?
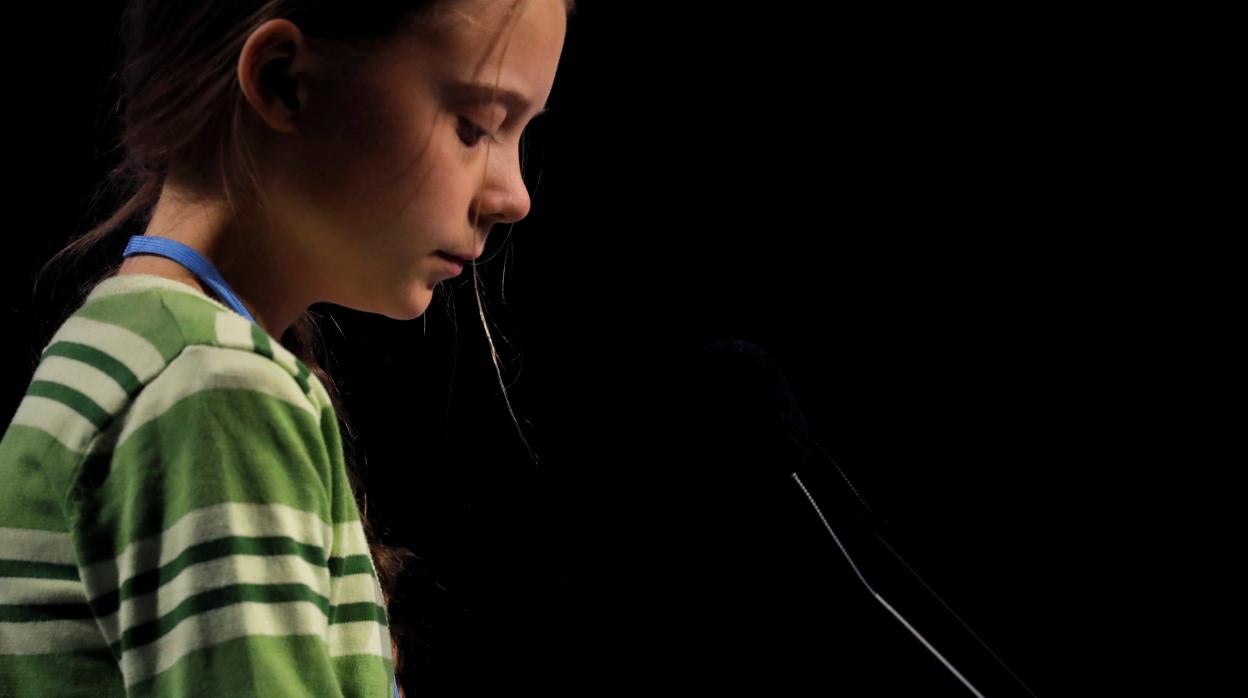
{"x":746,"y":388}
{"x":743,"y":389}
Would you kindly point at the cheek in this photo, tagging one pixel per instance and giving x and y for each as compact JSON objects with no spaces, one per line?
{"x":371,"y":179}
{"x":385,"y":178}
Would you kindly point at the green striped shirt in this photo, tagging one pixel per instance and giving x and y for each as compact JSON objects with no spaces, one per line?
{"x":175,"y":514}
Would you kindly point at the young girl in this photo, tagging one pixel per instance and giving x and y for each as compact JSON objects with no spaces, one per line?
{"x":177,"y":516}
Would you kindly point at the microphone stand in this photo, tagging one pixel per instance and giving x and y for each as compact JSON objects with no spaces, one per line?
{"x":797,"y":435}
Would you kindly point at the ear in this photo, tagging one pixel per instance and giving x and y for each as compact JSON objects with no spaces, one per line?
{"x":273,"y":70}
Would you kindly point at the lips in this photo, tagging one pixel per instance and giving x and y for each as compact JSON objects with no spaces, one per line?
{"x":456,"y":264}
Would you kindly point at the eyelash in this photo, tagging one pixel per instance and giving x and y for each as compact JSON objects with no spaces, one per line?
{"x":474,"y":142}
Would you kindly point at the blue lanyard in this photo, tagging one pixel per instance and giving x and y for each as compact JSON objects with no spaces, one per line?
{"x":189,"y":258}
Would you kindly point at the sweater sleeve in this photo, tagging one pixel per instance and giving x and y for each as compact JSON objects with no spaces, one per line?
{"x":203,"y":530}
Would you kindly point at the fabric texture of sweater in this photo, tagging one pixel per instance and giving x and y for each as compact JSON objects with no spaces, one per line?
{"x":175,"y":514}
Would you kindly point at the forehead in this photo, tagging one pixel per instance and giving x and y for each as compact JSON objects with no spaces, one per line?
{"x":515,"y":44}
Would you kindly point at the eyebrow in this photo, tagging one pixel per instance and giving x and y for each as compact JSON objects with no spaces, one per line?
{"x":513,"y":100}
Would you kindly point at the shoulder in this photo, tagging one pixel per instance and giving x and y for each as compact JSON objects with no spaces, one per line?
{"x":209,"y":375}
{"x":143,"y":344}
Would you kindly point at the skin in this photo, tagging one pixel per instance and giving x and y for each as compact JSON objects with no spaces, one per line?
{"x":369,"y":165}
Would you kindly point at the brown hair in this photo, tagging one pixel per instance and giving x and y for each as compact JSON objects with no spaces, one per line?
{"x":180,"y":108}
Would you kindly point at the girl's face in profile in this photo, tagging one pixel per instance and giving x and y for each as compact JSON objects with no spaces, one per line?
{"x":406,"y":156}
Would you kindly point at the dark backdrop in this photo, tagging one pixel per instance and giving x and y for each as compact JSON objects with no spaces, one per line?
{"x":975,"y":242}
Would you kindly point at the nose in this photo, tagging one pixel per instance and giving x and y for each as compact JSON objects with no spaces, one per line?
{"x":503,"y":195}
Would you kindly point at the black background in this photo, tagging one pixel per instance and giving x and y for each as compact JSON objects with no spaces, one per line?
{"x":980,"y":244}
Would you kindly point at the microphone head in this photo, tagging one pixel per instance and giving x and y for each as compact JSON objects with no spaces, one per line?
{"x":749,"y":408}
{"x":745,"y":383}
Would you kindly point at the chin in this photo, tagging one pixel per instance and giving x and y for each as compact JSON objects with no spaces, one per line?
{"x":412,"y":304}
{"x":409,"y":305}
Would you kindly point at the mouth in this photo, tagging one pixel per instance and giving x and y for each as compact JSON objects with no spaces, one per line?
{"x":456,"y":263}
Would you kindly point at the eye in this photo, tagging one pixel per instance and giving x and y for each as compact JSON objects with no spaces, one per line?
{"x":470,"y":133}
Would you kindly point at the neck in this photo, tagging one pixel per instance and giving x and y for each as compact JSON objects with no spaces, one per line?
{"x":250,"y":259}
